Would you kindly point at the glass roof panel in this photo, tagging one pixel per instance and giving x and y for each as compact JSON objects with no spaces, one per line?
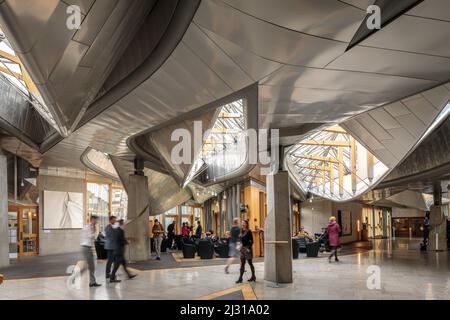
{"x":222,"y":151}
{"x":13,"y":72}
{"x":330,"y":163}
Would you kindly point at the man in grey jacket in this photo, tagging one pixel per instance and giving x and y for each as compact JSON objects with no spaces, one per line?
{"x":109,"y":246}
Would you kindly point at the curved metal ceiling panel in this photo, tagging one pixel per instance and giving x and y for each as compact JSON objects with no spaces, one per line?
{"x":164,"y":192}
{"x":396,"y":63}
{"x":226,"y":47}
{"x":326,"y":79}
{"x":418,"y":36}
{"x":393,"y":131}
{"x":253,"y":65}
{"x":216,"y":58}
{"x":161,"y":139}
{"x":59,"y":59}
{"x":436,"y":9}
{"x":17,"y":147}
{"x":325,"y":18}
{"x":267,"y":40}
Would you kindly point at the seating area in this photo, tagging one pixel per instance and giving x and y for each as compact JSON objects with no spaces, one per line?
{"x":304,"y":245}
{"x":203,"y":248}
{"x":210,"y":249}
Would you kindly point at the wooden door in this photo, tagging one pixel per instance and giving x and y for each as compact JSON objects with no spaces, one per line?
{"x":28,"y":225}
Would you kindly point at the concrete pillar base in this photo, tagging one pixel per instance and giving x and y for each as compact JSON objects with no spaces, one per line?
{"x":438,"y":229}
{"x":137,"y":228}
{"x":277,"y":235}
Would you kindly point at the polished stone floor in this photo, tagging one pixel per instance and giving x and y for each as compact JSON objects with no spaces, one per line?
{"x":405,"y":273}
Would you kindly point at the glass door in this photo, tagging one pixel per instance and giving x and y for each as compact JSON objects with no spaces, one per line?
{"x":13,"y":228}
{"x":28,"y":232}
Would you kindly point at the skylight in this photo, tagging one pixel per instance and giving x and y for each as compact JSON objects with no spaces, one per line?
{"x":220,"y":153}
{"x":13,"y":72}
{"x":330,"y":163}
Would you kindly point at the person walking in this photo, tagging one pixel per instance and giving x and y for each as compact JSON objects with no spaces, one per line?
{"x":109,"y":245}
{"x":87,"y":241}
{"x":246,"y":237}
{"x":333,"y":231}
{"x":158,"y":233}
{"x":233,"y":244}
{"x":119,"y":242}
{"x":170,"y":234}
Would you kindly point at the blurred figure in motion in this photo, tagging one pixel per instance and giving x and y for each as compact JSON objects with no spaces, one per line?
{"x":170,"y":234}
{"x":119,"y":241}
{"x":333,"y":231}
{"x":246,"y":237}
{"x":109,"y":244}
{"x":233,"y":244}
{"x":87,"y":241}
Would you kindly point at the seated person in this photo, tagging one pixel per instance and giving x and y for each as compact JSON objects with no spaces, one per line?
{"x":304,"y":234}
{"x":211,"y":235}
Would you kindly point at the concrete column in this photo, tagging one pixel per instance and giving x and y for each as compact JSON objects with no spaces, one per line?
{"x":438,"y":229}
{"x":384,"y":223}
{"x":277,"y":235}
{"x":373,"y":222}
{"x":137,"y":228}
{"x":180,"y":219}
{"x":220,"y":215}
{"x":238,"y":200}
{"x":4,"y":238}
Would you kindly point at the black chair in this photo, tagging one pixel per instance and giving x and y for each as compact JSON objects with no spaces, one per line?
{"x":302,"y":244}
{"x":188,"y":251}
{"x":222,"y":249}
{"x":164,"y":245}
{"x":295,"y":248}
{"x":205,"y":249}
{"x":312,"y":249}
{"x":179,"y":241}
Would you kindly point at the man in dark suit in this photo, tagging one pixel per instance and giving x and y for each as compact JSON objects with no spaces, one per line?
{"x":109,"y":231}
{"x":170,"y":234}
{"x":119,"y":243}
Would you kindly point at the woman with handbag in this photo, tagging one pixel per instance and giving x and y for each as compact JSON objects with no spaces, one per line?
{"x":246,"y":251}
{"x":333,"y":231}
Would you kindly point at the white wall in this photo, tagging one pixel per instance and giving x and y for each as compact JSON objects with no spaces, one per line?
{"x":58,"y":241}
{"x":356,"y":210}
{"x":314,"y":216}
{"x":407,"y":213}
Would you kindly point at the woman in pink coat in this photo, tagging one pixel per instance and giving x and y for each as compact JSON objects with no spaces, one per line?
{"x":333,"y":231}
